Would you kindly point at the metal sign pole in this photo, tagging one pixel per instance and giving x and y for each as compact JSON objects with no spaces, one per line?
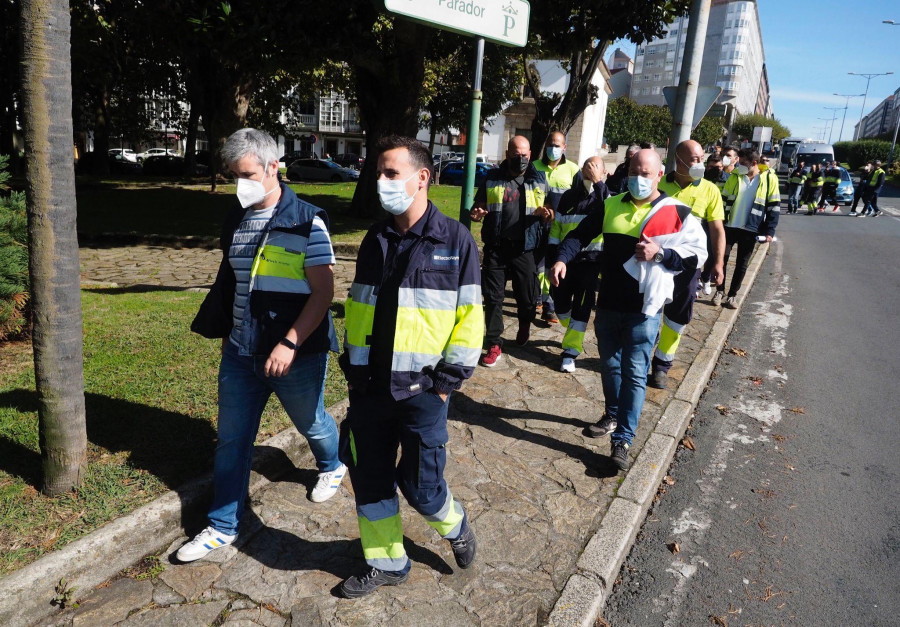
{"x":468,"y":195}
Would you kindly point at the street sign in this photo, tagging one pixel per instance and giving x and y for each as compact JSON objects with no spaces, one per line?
{"x":503,"y":22}
{"x":706,"y":96}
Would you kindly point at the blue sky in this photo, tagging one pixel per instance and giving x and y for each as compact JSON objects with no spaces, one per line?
{"x":811,"y":45}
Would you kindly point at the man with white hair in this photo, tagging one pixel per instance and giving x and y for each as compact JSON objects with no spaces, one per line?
{"x":270,"y":305}
{"x":648,"y":238}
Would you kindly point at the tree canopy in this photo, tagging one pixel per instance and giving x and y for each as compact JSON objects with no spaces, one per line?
{"x":627,"y":122}
{"x":744,"y":124}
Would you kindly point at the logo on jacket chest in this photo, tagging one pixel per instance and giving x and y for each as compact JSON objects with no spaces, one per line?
{"x":445,"y":257}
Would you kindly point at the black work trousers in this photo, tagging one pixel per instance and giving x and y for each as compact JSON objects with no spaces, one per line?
{"x":745,"y":240}
{"x":500,"y":258}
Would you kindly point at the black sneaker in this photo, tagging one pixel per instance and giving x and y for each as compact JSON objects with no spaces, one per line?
{"x":620,"y":455}
{"x":657,"y":380}
{"x":605,"y":425}
{"x":361,"y":585}
{"x":464,"y":546}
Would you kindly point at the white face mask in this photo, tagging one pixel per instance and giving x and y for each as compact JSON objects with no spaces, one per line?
{"x":742,"y":170}
{"x":393,"y":196}
{"x":696,"y":170}
{"x":250,"y":192}
{"x":726,"y":161}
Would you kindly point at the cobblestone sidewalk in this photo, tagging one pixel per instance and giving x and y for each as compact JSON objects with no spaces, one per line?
{"x":534,"y":487}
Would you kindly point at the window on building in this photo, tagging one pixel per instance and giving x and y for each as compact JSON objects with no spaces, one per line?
{"x":645,"y":91}
{"x":656,"y":90}
{"x":640,"y":52}
{"x":656,"y":77}
{"x":651,"y":50}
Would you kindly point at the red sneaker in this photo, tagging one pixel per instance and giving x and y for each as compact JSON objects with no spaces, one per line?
{"x":490,"y":359}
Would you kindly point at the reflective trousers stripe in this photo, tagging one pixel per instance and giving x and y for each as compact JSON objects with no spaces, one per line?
{"x":448,"y":520}
{"x":669,"y":339}
{"x":382,"y":539}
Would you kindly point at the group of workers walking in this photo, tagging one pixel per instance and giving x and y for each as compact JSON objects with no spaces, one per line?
{"x":812,"y":187}
{"x":423,"y":311}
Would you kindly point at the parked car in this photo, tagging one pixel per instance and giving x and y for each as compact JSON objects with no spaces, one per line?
{"x":349,"y":160}
{"x":156,"y":152}
{"x":320,"y":170}
{"x":454,"y":173}
{"x":89,"y":163}
{"x":844,"y":193}
{"x":167,"y":165}
{"x":126,"y":153}
{"x":290,"y":157}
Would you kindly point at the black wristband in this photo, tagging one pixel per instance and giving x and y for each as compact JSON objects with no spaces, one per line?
{"x":289,"y":344}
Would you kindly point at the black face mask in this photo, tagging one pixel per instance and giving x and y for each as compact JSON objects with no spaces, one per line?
{"x":518,"y":164}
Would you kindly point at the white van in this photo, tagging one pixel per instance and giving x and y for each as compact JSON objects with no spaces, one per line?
{"x":809,"y":154}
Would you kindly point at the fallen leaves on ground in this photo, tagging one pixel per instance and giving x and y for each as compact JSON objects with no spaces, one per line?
{"x":740,"y":352}
{"x":673,"y":546}
{"x":723,"y":409}
{"x":688,"y":442}
{"x":669,"y":480}
{"x":737,"y":554}
{"x":798,"y":410}
{"x":756,"y":380}
{"x":718,"y":620}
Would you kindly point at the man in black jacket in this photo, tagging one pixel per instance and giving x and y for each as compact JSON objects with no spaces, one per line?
{"x":512,"y":203}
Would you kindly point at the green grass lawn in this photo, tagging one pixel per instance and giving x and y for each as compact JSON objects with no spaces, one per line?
{"x":118,"y":206}
{"x":150,"y":390}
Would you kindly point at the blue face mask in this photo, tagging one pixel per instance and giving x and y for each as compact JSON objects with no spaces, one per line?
{"x":554,"y":153}
{"x":639,"y":187}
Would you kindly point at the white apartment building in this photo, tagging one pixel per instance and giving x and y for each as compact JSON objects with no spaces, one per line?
{"x":733,"y":59}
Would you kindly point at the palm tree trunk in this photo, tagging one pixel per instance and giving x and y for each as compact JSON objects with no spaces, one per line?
{"x":53,"y":244}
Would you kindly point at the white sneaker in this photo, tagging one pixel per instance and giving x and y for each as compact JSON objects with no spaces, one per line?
{"x":568,"y":364}
{"x":717,"y":298}
{"x":707,"y":288}
{"x":327,"y":484}
{"x":203,"y":544}
{"x":730,"y":302}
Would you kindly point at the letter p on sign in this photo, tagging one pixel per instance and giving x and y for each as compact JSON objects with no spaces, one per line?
{"x":509,"y":22}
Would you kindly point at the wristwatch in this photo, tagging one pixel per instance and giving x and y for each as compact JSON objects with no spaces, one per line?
{"x":658,"y":257}
{"x":288,"y":343}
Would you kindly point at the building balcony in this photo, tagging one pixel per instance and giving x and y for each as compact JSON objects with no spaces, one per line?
{"x":307,"y":119}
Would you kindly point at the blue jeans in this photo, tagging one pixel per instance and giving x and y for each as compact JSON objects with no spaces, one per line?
{"x":243,"y":393}
{"x":625,"y":342}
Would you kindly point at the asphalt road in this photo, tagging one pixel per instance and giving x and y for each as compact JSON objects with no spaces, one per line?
{"x":787,"y":511}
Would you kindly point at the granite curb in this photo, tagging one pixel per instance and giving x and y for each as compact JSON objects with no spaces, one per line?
{"x":26,"y":594}
{"x":586,"y":590}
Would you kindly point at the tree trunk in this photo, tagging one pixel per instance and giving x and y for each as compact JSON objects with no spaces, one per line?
{"x":190,"y":144}
{"x":53,"y":244}
{"x":387,"y":91}
{"x":580,"y":94}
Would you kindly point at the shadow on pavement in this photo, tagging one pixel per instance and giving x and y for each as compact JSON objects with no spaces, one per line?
{"x":468,"y":411}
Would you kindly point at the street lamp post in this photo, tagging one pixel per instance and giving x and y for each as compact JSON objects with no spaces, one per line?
{"x":868,"y":78}
{"x":833,"y":118}
{"x":845,"y":107}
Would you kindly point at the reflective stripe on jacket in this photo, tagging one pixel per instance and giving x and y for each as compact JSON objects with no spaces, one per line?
{"x":495,"y":184}
{"x":559,"y":179}
{"x":279,"y":288}
{"x":766,"y":208}
{"x":440,"y":319}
